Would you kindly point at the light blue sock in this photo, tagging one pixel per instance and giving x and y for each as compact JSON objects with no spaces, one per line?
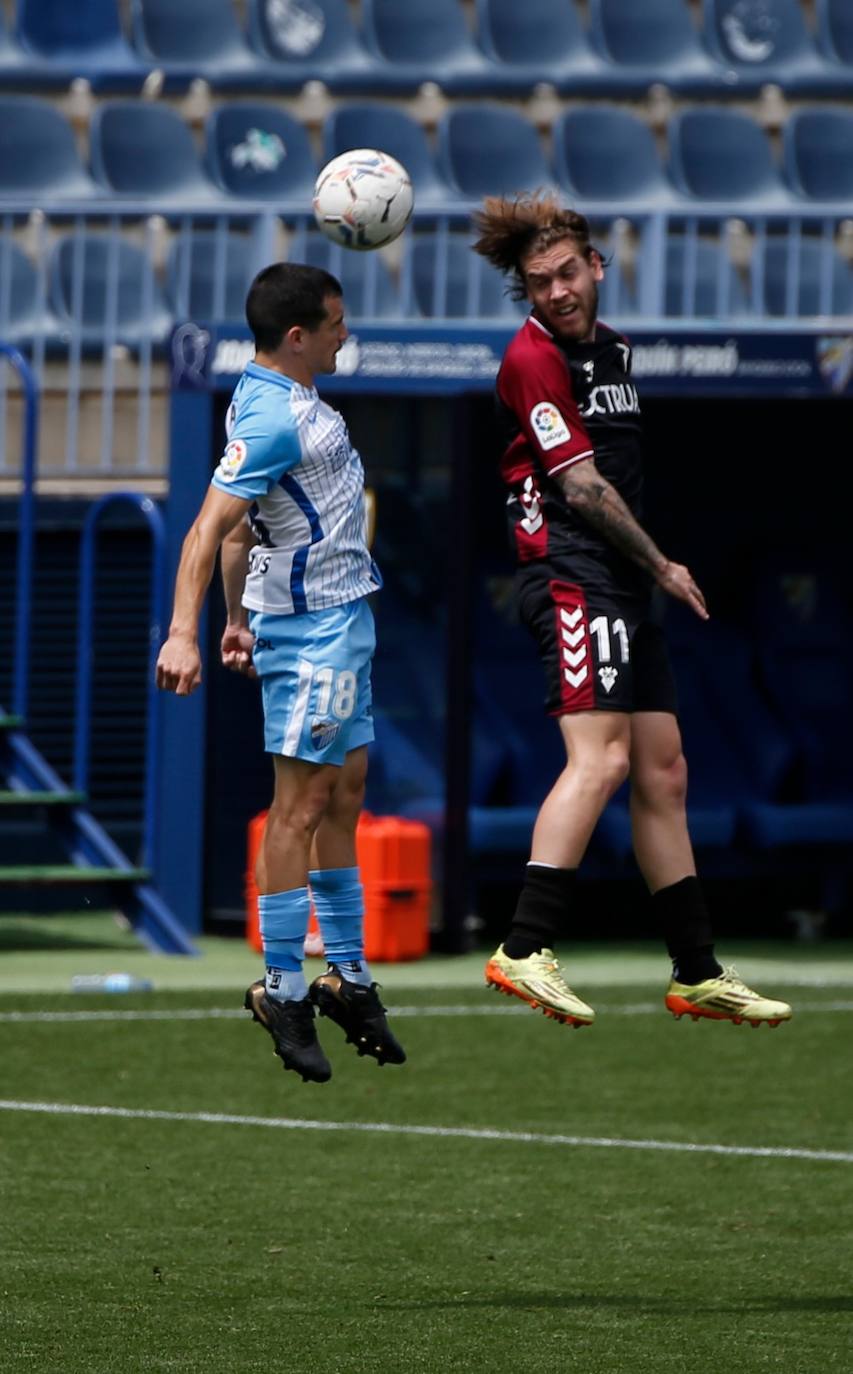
{"x":339,"y":904}
{"x":284,"y":922}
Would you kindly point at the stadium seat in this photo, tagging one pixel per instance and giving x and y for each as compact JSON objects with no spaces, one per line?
{"x":113,"y":275}
{"x":805,"y":277}
{"x":374,"y":125}
{"x":766,"y":41}
{"x":700,"y":280}
{"x":23,"y":313}
{"x":538,"y":41}
{"x":39,"y":161}
{"x":369,"y":290}
{"x":452,"y":282}
{"x":604,"y":153}
{"x":80,"y":40}
{"x":718,"y":154}
{"x":653,"y":41}
{"x":208,"y":275}
{"x":424,"y":40}
{"x":835,"y":31}
{"x":818,"y":153}
{"x":259,"y":152}
{"x":147,"y":151}
{"x":488,"y":149}
{"x":196,"y":38}
{"x":317,"y":42}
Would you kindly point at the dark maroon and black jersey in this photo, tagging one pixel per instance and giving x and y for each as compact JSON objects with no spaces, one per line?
{"x":560,"y":404}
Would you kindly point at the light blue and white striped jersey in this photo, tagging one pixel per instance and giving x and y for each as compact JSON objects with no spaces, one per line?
{"x":289,"y":453}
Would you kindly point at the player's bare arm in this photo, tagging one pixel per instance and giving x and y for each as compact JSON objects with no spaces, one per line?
{"x":237,"y":638}
{"x":179,"y":662}
{"x":593,"y":497}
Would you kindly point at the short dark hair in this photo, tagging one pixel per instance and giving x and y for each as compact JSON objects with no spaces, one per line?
{"x":285,"y":294}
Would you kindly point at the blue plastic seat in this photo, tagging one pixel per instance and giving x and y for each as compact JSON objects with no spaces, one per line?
{"x":653,"y":41}
{"x":114,"y":275}
{"x":259,"y":152}
{"x":208,"y":275}
{"x":452,"y":282}
{"x":424,"y":40}
{"x":23,"y":312}
{"x":488,"y":149}
{"x":144,"y":151}
{"x":369,"y":290}
{"x":835,"y":31}
{"x":38,"y":155}
{"x":605,"y":153}
{"x":194,"y":38}
{"x":376,"y":125}
{"x":764,"y":40}
{"x":82,"y":40}
{"x":719,"y":154}
{"x":538,"y":41}
{"x":805,"y":278}
{"x":315,"y":41}
{"x":700,"y":280}
{"x":818,"y":153}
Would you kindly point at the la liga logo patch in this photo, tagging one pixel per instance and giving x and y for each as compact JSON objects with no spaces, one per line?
{"x":548,"y":425}
{"x":232,"y":460}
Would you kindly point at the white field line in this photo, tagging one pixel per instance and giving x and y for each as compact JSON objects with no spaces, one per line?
{"x":441,"y":1132}
{"x":233,"y":1013}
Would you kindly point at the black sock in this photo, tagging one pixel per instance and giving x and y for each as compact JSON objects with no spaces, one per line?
{"x":541,"y":911}
{"x":686,"y":927}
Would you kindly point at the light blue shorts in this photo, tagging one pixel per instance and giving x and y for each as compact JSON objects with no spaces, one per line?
{"x":315,"y":680}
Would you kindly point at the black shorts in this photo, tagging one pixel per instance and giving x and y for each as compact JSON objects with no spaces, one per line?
{"x":600,"y":653}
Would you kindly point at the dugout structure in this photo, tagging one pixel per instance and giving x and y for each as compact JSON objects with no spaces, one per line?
{"x":732,"y":418}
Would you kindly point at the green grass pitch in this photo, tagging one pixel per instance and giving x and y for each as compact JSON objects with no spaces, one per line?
{"x":176,"y":1243}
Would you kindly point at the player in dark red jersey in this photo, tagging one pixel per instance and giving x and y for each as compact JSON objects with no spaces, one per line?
{"x":573,"y":464}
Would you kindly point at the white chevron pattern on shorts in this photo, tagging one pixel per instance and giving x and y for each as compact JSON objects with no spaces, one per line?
{"x":573,"y":637}
{"x":575,"y":679}
{"x":573,"y":659}
{"x":571,"y":618}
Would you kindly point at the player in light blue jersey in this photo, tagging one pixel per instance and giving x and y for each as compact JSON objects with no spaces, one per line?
{"x":286,"y":506}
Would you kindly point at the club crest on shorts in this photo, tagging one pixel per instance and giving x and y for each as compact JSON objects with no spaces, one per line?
{"x":549,"y":426}
{"x":323,"y":732}
{"x":608,"y":676}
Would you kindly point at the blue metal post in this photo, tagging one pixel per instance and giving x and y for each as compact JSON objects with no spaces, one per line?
{"x":85,"y":639}
{"x":26,"y":531}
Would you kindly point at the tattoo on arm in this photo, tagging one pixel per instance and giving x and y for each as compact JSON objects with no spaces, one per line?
{"x":600,"y":504}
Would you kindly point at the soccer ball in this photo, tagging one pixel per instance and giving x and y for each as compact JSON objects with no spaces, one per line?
{"x":363,"y":199}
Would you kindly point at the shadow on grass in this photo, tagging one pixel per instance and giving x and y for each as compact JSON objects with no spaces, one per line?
{"x":533,"y":1302}
{"x":39,"y":934}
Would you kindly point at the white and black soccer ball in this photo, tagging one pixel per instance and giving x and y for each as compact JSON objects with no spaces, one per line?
{"x":363,"y":199}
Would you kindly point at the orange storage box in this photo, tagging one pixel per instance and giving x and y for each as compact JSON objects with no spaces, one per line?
{"x":394,"y":862}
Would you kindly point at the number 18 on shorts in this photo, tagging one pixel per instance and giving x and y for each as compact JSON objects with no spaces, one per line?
{"x":315,"y":681}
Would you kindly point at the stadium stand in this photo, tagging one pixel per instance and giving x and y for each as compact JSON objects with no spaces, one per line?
{"x":835,"y":33}
{"x":260,"y":152}
{"x":767,"y":42}
{"x":23,"y":313}
{"x":818,"y":153}
{"x":208,"y":274}
{"x":655,"y":41}
{"x":105,"y":289}
{"x":78,"y":41}
{"x":536,"y":41}
{"x":196,"y":38}
{"x":722,"y":155}
{"x":802,"y":278}
{"x":372,"y":124}
{"x":316,"y":43}
{"x":490,"y":149}
{"x":369,"y":289}
{"x":425,"y":40}
{"x":606,"y":153}
{"x":39,"y":161}
{"x":141,"y":150}
{"x":445,"y":286}
{"x":701,"y":280}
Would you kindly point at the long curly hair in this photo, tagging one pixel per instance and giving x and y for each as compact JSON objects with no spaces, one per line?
{"x":509,"y":228}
